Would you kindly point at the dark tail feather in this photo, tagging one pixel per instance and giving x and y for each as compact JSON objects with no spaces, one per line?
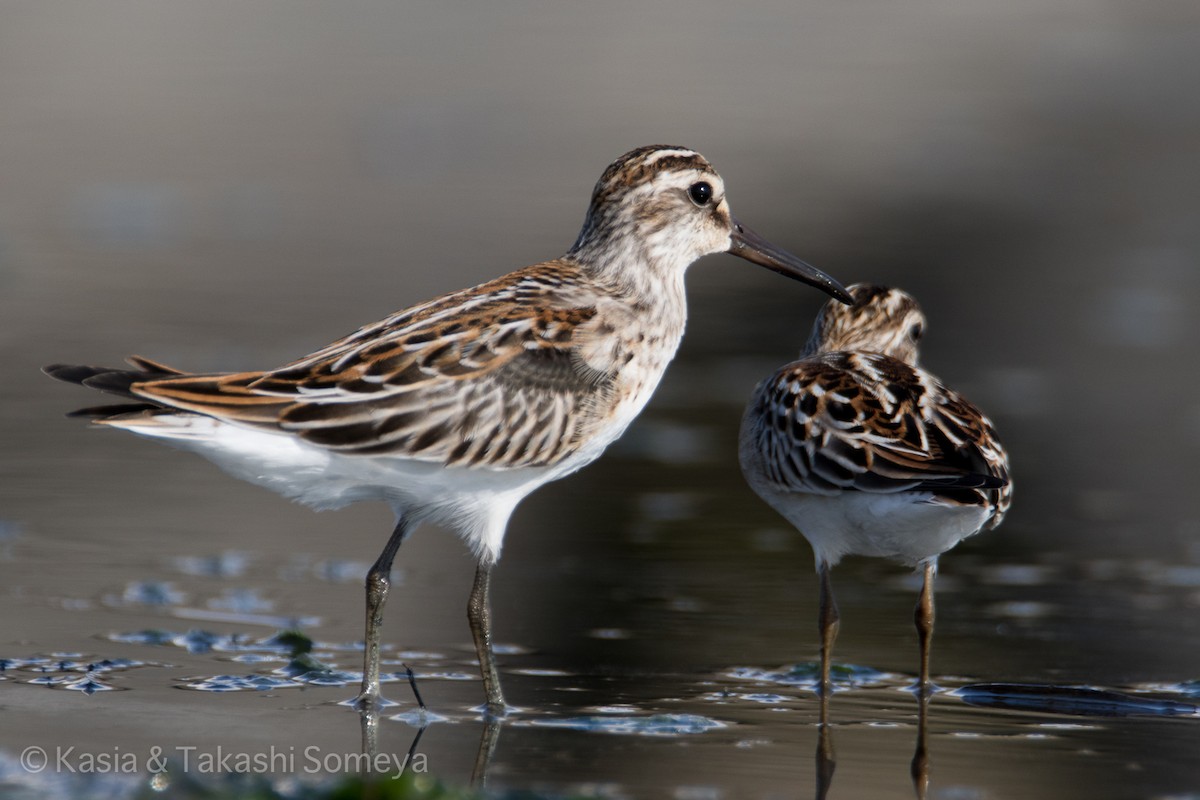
{"x":115,"y":381}
{"x":70,"y":373}
{"x":108,"y":379}
{"x":972,"y":480}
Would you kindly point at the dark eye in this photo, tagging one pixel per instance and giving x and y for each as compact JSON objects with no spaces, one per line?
{"x":700,"y":193}
{"x":916,"y":331}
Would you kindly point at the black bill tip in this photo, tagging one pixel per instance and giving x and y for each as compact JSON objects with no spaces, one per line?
{"x":745,"y":243}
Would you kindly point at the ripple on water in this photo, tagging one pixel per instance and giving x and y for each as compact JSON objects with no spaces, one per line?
{"x":420,"y":717}
{"x":444,"y":675}
{"x":147,"y":593}
{"x":257,"y":658}
{"x":302,"y":658}
{"x":88,"y":684}
{"x":1187,"y":688}
{"x":241,"y":601}
{"x":229,"y":564}
{"x":765,"y":698}
{"x":306,"y":669}
{"x":633,"y":725}
{"x":807,"y":675}
{"x":197,"y":640}
{"x":240,"y":683}
{"x":1073,"y":700}
{"x":69,"y":671}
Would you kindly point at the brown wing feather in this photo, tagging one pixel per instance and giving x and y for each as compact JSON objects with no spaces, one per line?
{"x":489,"y":376}
{"x":867,"y":422}
{"x":226,"y":396}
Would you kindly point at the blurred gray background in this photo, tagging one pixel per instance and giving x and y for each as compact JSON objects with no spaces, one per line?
{"x":228,"y":185}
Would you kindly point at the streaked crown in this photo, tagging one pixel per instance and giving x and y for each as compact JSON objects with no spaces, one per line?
{"x":880,"y":320}
{"x":663,"y":206}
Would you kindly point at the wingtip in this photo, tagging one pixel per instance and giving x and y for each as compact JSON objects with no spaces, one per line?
{"x":70,"y":373}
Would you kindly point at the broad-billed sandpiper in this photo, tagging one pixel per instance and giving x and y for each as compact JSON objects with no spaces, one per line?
{"x":867,"y":454}
{"x":454,"y":410}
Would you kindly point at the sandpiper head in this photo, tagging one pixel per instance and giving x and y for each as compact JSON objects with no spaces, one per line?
{"x":879,"y":320}
{"x":662,"y":207}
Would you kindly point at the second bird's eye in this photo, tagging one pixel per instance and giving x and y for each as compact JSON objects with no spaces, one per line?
{"x":916,"y":331}
{"x":700,"y":193}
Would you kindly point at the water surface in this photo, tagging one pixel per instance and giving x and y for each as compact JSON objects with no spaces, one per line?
{"x":231,"y":187}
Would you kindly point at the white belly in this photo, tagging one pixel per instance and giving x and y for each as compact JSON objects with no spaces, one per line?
{"x":907,"y":527}
{"x":475,"y":502}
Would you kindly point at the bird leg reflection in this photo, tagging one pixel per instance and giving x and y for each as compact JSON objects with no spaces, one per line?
{"x":826,"y":760}
{"x":920,"y":760}
{"x":369,"y":717}
{"x":487,"y":748}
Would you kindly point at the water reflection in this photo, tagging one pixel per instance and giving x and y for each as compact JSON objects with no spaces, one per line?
{"x":737,"y":710}
{"x":826,"y":760}
{"x":921,"y":760}
{"x":1085,"y":701}
{"x":919,"y":768}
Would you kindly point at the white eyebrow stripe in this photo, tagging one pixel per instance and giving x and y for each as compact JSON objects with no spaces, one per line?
{"x":658,"y":155}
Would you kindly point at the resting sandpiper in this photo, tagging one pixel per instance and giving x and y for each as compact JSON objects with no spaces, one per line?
{"x":454,"y":410}
{"x":867,"y":454}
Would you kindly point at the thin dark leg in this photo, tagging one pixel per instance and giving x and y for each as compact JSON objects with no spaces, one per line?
{"x":924,"y":620}
{"x":828,"y":621}
{"x":378,"y":582}
{"x":479,"y":614}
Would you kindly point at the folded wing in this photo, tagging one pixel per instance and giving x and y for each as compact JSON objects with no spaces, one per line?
{"x":490,"y":377}
{"x":866,"y":422}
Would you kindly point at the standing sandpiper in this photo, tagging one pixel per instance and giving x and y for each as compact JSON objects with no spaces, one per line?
{"x":866,"y":454}
{"x":454,"y":410}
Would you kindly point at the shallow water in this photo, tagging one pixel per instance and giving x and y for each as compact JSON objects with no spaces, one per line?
{"x":225,"y":189}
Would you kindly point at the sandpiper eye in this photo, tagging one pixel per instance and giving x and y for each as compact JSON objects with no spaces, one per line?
{"x":700,"y":193}
{"x":916,"y":331}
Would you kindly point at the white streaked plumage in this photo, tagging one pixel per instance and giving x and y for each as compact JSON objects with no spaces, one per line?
{"x":867,"y":454}
{"x":456,"y":409}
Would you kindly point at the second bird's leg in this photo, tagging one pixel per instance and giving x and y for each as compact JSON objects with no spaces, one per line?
{"x":828,"y":620}
{"x":479,"y":615}
{"x":378,"y":583}
{"x":924,"y":619}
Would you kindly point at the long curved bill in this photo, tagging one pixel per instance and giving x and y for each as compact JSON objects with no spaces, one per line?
{"x":745,"y":243}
